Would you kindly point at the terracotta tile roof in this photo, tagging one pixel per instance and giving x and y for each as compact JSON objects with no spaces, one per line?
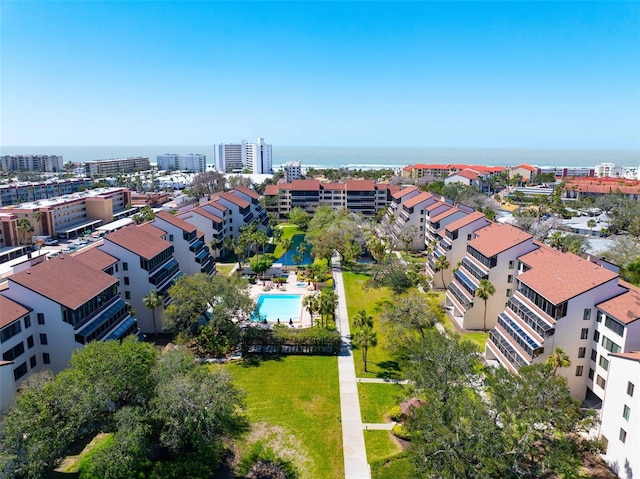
{"x":95,"y":258}
{"x":524,"y":167}
{"x":404,"y":191}
{"x":11,"y":311}
{"x":360,"y":185}
{"x":206,"y":214}
{"x":235,"y":199}
{"x":152,"y":230}
{"x":332,"y":186}
{"x":444,"y":214}
{"x":468,"y":174}
{"x":561,"y":276}
{"x":214,"y":204}
{"x":393,"y":189}
{"x":438,"y":204}
{"x":607,"y":188}
{"x":625,"y":307}
{"x":464,"y":221}
{"x":633,"y":355}
{"x":304,"y":185}
{"x":175,"y":221}
{"x":271,"y":190}
{"x":5,"y":363}
{"x":496,"y":238}
{"x":419,"y":198}
{"x":139,"y":240}
{"x":65,"y":280}
{"x":248,"y":191}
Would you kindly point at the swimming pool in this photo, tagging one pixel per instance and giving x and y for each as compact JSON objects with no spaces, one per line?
{"x":278,"y":306}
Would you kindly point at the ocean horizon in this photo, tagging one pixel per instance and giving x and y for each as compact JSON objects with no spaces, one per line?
{"x":356,"y":157}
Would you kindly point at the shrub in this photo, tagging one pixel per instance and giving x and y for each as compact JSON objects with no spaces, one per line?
{"x":402,"y":432}
{"x":263,"y":463}
{"x":395,"y":414}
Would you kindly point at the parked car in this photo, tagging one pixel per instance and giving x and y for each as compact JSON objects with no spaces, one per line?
{"x":50,"y":242}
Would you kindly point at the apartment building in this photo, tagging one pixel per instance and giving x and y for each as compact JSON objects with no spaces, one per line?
{"x":553,"y":305}
{"x":409,"y":227}
{"x":69,"y":216}
{"x":50,"y":163}
{"x":211,"y":219}
{"x":442,"y":171}
{"x":236,"y":157}
{"x":492,"y":254}
{"x":292,"y":171}
{"x":451,"y":242}
{"x":115,"y":166}
{"x":174,"y":161}
{"x":361,"y":196}
{"x":620,"y":418}
{"x":15,"y":193}
{"x":590,"y":188}
{"x":145,"y":262}
{"x":466,"y":177}
{"x":51,"y":309}
{"x":396,"y":201}
{"x":190,"y":249}
{"x":259,"y":160}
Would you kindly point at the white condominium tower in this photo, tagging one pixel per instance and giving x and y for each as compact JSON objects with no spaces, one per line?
{"x":190,"y":162}
{"x":236,"y":157}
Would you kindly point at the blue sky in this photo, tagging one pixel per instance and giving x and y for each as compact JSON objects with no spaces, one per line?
{"x":447,"y":74}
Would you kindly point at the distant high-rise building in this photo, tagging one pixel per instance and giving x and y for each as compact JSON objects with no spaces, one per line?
{"x":292,"y":171}
{"x":50,"y":163}
{"x":190,"y":162}
{"x":236,"y":157}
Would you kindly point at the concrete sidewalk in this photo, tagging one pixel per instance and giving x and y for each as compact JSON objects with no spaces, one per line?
{"x":355,"y":453}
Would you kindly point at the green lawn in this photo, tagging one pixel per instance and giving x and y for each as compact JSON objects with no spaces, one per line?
{"x":377,"y":399}
{"x":380,"y":445}
{"x":288,"y":231}
{"x":293,"y":405}
{"x":380,"y":363}
{"x":224,"y":269}
{"x":394,"y":468}
{"x":476,"y":337}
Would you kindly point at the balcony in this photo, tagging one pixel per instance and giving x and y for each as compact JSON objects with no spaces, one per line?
{"x":99,"y":325}
{"x":455,"y":291}
{"x":163,"y":291}
{"x":129,"y":326}
{"x":464,"y":281}
{"x":209,"y":267}
{"x":196,"y":246}
{"x":506,"y":349}
{"x":529,"y":345}
{"x":169,"y":269}
{"x":202,"y":256}
{"x":474,"y":270}
{"x":530,"y":318}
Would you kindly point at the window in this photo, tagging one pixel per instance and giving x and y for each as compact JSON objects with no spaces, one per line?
{"x":510,"y":278}
{"x":171,"y":238}
{"x":584,"y":334}
{"x":601,"y":382}
{"x":623,"y":436}
{"x":127,"y":295}
{"x":579,"y":370}
{"x":511,"y":264}
{"x":45,"y":358}
{"x":20,"y":371}
{"x":591,"y":373}
{"x":33,"y":362}
{"x":469,"y":237}
{"x":610,"y":345}
{"x":596,"y":336}
{"x":125,"y":266}
{"x":594,"y":355}
{"x":599,"y":317}
{"x":14,"y":352}
{"x":630,"y":388}
{"x":614,"y":326}
{"x":626,"y":412}
{"x":586,"y":315}
{"x":509,"y":293}
{"x":27,"y":321}
{"x":40,"y":318}
{"x":10,"y":331}
{"x":126,"y":280}
{"x":30,"y":341}
{"x":604,"y":363}
{"x":582,"y":352}
{"x":43,"y":339}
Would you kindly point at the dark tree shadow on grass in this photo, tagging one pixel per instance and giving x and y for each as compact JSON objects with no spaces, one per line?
{"x":256,"y":360}
{"x":390,"y":370}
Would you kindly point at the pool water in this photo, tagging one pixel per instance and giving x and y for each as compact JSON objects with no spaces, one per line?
{"x":278,"y":306}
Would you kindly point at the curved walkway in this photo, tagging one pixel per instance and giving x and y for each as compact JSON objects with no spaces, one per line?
{"x":354,"y":450}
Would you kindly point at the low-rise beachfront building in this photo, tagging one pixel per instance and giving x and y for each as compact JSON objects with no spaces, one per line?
{"x":553,"y":305}
{"x":591,"y":188}
{"x":451,"y":242}
{"x":492,"y":255}
{"x":115,"y":166}
{"x":50,"y":163}
{"x":52,"y":309}
{"x":190,"y":249}
{"x":526,"y":173}
{"x":409,"y":227}
{"x":145,"y":263}
{"x":466,"y":177}
{"x":16,"y":193}
{"x":620,"y":418}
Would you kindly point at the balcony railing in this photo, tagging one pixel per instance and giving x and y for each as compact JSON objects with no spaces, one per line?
{"x":202,"y":256}
{"x":527,"y":343}
{"x":103,"y":322}
{"x":535,"y":322}
{"x":166,"y":271}
{"x":465,"y":282}
{"x":507,"y":350}
{"x":457,"y":293}
{"x":476,"y":272}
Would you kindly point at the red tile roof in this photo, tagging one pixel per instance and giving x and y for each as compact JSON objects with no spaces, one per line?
{"x":625,"y":307}
{"x":561,"y":276}
{"x":175,"y":221}
{"x":524,"y":167}
{"x":496,"y":238}
{"x":360,"y":185}
{"x":404,"y":192}
{"x":633,"y":355}
{"x":419,"y":198}
{"x":11,"y":311}
{"x":206,"y":214}
{"x":95,"y":258}
{"x":444,"y":214}
{"x":304,"y":185}
{"x":248,"y":191}
{"x":464,"y":221}
{"x":65,"y":280}
{"x":235,"y":199}
{"x":214,"y":204}
{"x":438,"y":204}
{"x":468,"y":174}
{"x":271,"y":190}
{"x":332,"y":186}
{"x":139,"y":240}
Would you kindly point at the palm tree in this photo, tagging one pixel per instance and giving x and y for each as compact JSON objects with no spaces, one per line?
{"x":558,"y":359}
{"x":24,"y":227}
{"x":555,"y":240}
{"x":152,"y":301}
{"x":364,"y":339}
{"x":286,"y":244}
{"x":362,"y":319}
{"x":442,"y":263}
{"x":327,"y":304}
{"x":311,"y":302}
{"x":485,"y":290}
{"x":591,"y":224}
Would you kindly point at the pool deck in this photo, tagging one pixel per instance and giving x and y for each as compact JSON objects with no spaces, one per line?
{"x":290,"y":287}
